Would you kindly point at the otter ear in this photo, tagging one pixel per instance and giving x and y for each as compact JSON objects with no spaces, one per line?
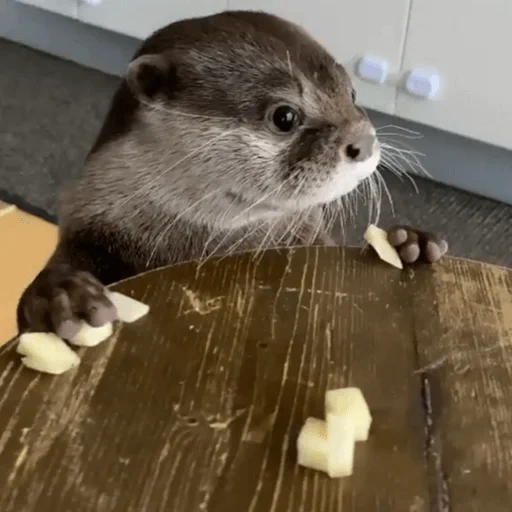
{"x":151,"y":75}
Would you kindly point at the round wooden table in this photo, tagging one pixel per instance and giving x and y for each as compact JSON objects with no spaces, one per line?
{"x":197,"y":406}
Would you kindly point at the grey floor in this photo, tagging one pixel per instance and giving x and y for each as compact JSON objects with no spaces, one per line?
{"x":51,"y":110}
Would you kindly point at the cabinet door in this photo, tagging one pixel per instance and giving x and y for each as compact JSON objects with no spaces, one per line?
{"x":139,"y":18}
{"x":468,"y":44}
{"x":350,"y":29}
{"x":65,"y":7}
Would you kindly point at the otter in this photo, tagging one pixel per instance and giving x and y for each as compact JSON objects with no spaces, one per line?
{"x":229,"y":132}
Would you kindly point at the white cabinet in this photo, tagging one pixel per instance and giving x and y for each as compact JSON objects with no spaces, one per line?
{"x":464,"y":43}
{"x":350,"y":29}
{"x":139,"y":18}
{"x":468,"y":43}
{"x":65,"y":7}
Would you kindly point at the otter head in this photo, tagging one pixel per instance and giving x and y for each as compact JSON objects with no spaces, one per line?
{"x":250,"y":111}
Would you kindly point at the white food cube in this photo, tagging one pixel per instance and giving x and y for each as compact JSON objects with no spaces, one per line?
{"x":46,"y":352}
{"x":128,"y":310}
{"x":341,"y":445}
{"x":327,"y":446}
{"x":312,"y":445}
{"x":89,"y":336}
{"x":350,"y":403}
{"x":378,"y":239}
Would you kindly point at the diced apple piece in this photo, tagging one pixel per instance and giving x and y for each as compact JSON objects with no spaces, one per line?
{"x":327,"y":446}
{"x":340,"y":446}
{"x":89,"y":336}
{"x":378,"y":239}
{"x":128,"y":310}
{"x":350,"y":403}
{"x":312,"y":445}
{"x":6,"y":209}
{"x":46,"y":352}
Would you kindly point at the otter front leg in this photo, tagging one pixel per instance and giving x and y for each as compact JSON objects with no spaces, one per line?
{"x":417,"y":245}
{"x":314,"y":231}
{"x":310,"y":234}
{"x":60,"y":298}
{"x":323,"y":238}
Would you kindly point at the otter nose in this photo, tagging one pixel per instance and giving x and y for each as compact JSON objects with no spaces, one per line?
{"x":361,"y":149}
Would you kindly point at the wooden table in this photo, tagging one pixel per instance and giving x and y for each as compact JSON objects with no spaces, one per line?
{"x":197,"y":406}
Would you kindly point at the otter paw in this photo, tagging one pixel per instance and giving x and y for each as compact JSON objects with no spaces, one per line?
{"x":60,"y":299}
{"x":416,"y":245}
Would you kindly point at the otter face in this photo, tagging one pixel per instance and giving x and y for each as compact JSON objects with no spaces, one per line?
{"x":250,"y":105}
{"x":330,"y":147}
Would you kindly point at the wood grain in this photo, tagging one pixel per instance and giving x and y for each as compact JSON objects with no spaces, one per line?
{"x":463,"y":323}
{"x":197,"y":407}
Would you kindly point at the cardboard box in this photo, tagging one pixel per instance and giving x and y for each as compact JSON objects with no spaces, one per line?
{"x":27,"y":243}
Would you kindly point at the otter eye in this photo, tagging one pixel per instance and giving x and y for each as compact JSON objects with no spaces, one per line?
{"x":354,"y":95}
{"x":285,"y":118}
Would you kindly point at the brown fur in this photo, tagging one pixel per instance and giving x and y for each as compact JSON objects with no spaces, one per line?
{"x":187,"y":163}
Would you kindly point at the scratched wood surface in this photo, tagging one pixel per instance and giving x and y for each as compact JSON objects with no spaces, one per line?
{"x":197,"y":406}
{"x":463,"y":327}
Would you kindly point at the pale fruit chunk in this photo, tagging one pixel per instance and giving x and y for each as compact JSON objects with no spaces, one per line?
{"x":128,"y":310}
{"x":378,"y":239}
{"x":89,"y":336}
{"x":46,"y":352}
{"x":312,"y":445}
{"x":327,"y":446}
{"x":350,"y":403}
{"x":341,"y":444}
{"x":6,"y":209}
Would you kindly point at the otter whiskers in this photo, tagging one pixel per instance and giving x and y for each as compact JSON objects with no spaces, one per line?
{"x":241,"y":215}
{"x":409,"y":156}
{"x":398,"y":156}
{"x":383,"y":184}
{"x":400,"y":131}
{"x":161,"y":174}
{"x":166,"y":231}
{"x":288,"y":231}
